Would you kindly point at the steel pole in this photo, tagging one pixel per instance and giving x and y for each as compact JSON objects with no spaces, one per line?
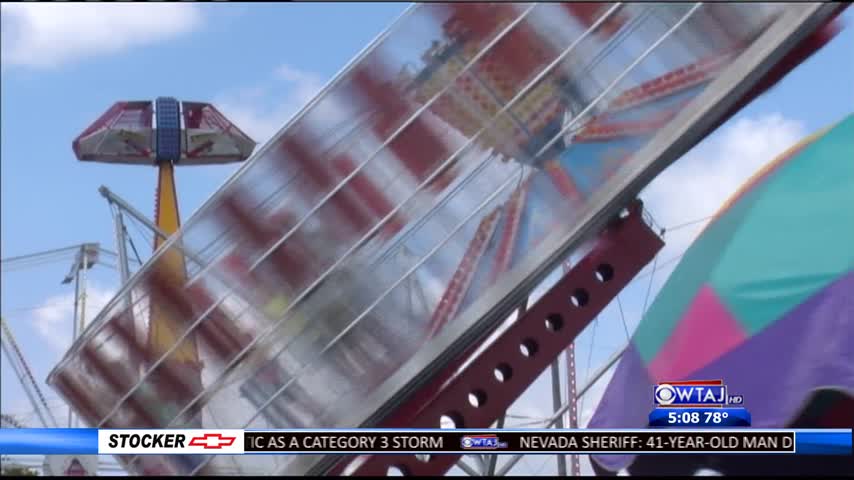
{"x":81,"y":325}
{"x":571,"y":420}
{"x":21,"y":378}
{"x":133,"y":212}
{"x":123,"y":259}
{"x":121,"y":245}
{"x":119,"y":201}
{"x":571,"y":396}
{"x":493,"y":459}
{"x":556,"y":404}
{"x":82,"y":319}
{"x":75,"y":331}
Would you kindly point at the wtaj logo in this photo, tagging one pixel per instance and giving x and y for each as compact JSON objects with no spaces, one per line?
{"x":482,"y":442}
{"x":695,"y":393}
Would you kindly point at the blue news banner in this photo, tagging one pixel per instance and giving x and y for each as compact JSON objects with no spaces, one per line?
{"x":61,"y":441}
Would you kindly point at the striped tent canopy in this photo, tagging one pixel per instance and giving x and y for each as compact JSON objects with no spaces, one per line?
{"x":764,"y":300}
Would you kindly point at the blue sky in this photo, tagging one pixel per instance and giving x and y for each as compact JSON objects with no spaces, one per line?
{"x":63,"y":65}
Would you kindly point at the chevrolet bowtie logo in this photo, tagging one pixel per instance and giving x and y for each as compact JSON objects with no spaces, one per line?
{"x":210,"y":441}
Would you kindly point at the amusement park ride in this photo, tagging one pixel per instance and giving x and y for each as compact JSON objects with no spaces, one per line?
{"x":302,"y":293}
{"x":164,"y":133}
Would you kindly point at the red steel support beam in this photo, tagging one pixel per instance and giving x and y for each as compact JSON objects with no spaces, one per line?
{"x":515,"y":207}
{"x":461,"y":280}
{"x":499,"y":375}
{"x":674,"y":81}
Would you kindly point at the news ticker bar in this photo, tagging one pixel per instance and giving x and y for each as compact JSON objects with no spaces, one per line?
{"x":44,"y":441}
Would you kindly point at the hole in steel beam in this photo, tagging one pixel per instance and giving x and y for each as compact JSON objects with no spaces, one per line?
{"x":579,"y":297}
{"x":528,"y":347}
{"x":503,"y":372}
{"x":353,"y":466}
{"x":624,"y":213}
{"x":604,"y":272}
{"x":451,"y":420}
{"x":396,"y":471}
{"x":554,"y":322}
{"x":477,"y":398}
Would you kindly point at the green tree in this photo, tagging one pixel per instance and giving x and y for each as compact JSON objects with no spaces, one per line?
{"x":7,"y":468}
{"x":13,"y":470}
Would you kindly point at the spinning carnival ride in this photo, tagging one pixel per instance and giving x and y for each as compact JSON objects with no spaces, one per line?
{"x":357,"y":271}
{"x":164,"y":133}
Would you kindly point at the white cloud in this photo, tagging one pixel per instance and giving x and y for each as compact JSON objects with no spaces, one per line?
{"x":305,"y":84}
{"x":262,"y":109}
{"x":49,"y":35}
{"x":699,"y":183}
{"x":53,"y":320}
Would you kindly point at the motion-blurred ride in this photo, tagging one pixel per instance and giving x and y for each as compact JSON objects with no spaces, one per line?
{"x":432,"y":167}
